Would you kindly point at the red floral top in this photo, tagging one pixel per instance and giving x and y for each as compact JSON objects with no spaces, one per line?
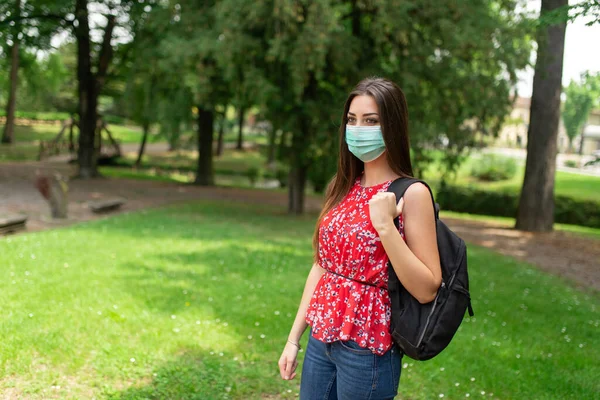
{"x":342,"y":308}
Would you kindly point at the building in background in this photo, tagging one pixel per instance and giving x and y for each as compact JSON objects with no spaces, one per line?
{"x":514,"y":131}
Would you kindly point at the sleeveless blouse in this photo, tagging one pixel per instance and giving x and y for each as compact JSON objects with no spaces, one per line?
{"x":350,"y":250}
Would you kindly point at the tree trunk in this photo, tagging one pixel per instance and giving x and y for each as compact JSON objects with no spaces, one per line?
{"x":240,"y":141}
{"x":580,"y":149}
{"x":87,"y":96}
{"x":536,"y":204}
{"x":204,"y":175}
{"x":297,"y":184}
{"x":145,"y":128}
{"x":298,"y":168}
{"x":8,"y":136}
{"x":221,"y":134}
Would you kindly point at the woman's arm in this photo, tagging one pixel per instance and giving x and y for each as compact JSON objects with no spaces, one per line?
{"x":300,"y":324}
{"x":289,"y":358}
{"x":416,"y":261}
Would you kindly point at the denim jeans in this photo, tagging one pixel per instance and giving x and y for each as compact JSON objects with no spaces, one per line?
{"x":346,"y":371}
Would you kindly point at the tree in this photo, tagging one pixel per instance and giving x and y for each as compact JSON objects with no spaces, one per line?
{"x":581,"y":98}
{"x":8,"y":134}
{"x":191,"y":47}
{"x":536,"y":203}
{"x":20,"y":35}
{"x":456,"y":63}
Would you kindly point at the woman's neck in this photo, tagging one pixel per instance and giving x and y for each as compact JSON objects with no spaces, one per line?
{"x":378,"y":171}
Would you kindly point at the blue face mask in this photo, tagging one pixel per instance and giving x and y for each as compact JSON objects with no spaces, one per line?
{"x":365,"y":142}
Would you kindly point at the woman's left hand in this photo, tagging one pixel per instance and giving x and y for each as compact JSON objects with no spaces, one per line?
{"x":383,"y":209}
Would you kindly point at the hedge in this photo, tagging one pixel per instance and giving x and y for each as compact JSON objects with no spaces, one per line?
{"x":502,"y":204}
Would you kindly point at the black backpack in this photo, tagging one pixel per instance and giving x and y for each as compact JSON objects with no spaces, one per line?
{"x":423,"y":330}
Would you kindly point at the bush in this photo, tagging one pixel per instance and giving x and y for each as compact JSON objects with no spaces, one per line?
{"x":493,"y":168}
{"x":253,"y":173}
{"x":571,"y":164}
{"x":475,"y":201}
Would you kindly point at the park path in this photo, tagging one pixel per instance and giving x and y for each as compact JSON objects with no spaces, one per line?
{"x":572,"y":256}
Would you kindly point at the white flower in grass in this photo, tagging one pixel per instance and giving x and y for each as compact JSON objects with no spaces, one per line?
{"x":30,"y":315}
{"x":405,"y":365}
{"x":467,"y":395}
{"x":441,"y":395}
{"x":472,"y":379}
{"x":249,"y":336}
{"x":276,"y":312}
{"x":457,"y":384}
{"x":518,"y":356}
{"x":132,"y":359}
{"x":482,"y":393}
{"x":441,"y":369}
{"x":256,"y":323}
{"x":262,"y":336}
{"x":173,"y":316}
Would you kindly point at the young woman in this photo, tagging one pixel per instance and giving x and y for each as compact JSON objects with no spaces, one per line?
{"x":350,"y":353}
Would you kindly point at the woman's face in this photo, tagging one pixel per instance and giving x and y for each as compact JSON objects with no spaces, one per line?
{"x":363,"y":111}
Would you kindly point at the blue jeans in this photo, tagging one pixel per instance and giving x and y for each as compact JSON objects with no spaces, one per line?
{"x":346,"y":371}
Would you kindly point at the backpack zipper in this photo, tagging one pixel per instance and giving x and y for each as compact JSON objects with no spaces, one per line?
{"x":433,"y":309}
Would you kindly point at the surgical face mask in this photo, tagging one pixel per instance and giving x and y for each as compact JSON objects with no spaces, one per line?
{"x":365,"y":142}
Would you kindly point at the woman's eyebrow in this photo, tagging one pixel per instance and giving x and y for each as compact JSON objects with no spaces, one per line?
{"x":364,"y":115}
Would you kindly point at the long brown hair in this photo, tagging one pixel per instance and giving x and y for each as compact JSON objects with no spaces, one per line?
{"x":393,"y":114}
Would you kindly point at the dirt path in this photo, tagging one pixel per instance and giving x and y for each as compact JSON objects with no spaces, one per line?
{"x":569,"y":255}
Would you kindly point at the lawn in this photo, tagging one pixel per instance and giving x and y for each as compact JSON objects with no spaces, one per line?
{"x":196,"y":301}
{"x":37,"y":132}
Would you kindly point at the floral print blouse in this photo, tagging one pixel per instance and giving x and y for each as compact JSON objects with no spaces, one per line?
{"x":350,"y":250}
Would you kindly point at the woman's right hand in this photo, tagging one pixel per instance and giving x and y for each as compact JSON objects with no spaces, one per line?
{"x":288,"y":362}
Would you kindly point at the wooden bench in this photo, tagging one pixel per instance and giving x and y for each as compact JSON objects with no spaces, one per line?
{"x":12,"y":223}
{"x":106,"y":205}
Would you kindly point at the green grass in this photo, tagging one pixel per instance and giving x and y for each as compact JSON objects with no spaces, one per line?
{"x":580,"y":230}
{"x":196,"y":301}
{"x":37,"y":132}
{"x":19,"y":152}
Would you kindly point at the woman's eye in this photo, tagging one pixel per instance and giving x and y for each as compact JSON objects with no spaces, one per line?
{"x":351,"y":119}
{"x":372,"y":121}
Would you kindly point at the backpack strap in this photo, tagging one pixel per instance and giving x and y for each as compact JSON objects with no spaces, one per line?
{"x":399,"y":187}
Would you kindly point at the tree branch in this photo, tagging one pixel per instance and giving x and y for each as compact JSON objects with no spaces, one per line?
{"x":15,"y":18}
{"x":106,"y":53}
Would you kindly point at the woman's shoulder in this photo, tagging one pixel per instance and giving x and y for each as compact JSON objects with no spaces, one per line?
{"x":418,"y":196}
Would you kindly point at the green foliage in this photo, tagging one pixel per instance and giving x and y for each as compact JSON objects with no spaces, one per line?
{"x":582,"y":97}
{"x":253,"y":174}
{"x":492,"y":168}
{"x":571,"y":164}
{"x":504,"y":204}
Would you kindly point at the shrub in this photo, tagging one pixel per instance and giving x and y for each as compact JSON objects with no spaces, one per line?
{"x":571,"y":164}
{"x":253,"y":173}
{"x":475,"y":201}
{"x":493,"y":167}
